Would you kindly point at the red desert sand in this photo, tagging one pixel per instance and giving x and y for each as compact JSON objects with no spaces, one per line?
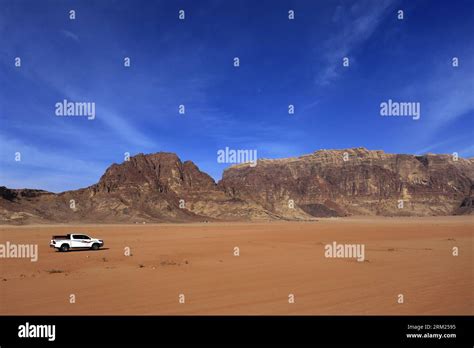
{"x":408,"y":256}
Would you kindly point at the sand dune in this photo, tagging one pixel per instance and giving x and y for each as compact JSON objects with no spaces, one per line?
{"x":409,"y":256}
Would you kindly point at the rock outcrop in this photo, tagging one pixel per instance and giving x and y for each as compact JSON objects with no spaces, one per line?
{"x":355,"y":182}
{"x":160,"y":188}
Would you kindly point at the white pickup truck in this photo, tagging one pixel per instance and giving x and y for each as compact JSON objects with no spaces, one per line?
{"x":75,"y":241}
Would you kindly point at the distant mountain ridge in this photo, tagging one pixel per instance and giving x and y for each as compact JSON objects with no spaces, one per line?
{"x":160,"y":187}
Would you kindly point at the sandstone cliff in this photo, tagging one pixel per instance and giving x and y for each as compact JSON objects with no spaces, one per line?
{"x":160,"y":188}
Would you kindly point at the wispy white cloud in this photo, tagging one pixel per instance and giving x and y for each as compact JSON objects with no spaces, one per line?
{"x":121,"y":125}
{"x":116,"y":121}
{"x":354,"y":23}
{"x":310,"y":105}
{"x":467,"y":151}
{"x":447,"y":96}
{"x":434,"y":146}
{"x":450,"y":95}
{"x":452,"y":143}
{"x":52,"y":170}
{"x":70,"y":35}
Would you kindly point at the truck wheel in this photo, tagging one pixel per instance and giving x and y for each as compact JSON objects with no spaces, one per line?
{"x":95,"y":246}
{"x":64,"y":248}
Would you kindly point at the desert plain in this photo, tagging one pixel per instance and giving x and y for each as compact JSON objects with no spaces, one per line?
{"x":277,"y":260}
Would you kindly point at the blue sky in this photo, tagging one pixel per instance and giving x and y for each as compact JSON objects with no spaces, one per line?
{"x":190,"y":62}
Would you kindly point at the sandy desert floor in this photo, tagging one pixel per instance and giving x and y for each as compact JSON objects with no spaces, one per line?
{"x":409,"y":256}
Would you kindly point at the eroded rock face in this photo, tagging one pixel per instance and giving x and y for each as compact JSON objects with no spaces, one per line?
{"x":355,"y":181}
{"x":159,"y":187}
{"x":156,"y":172}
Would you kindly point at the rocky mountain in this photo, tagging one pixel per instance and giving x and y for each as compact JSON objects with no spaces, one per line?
{"x":161,"y":188}
{"x":355,"y":182}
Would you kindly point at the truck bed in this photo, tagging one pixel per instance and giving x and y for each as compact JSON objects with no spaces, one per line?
{"x":60,"y":237}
